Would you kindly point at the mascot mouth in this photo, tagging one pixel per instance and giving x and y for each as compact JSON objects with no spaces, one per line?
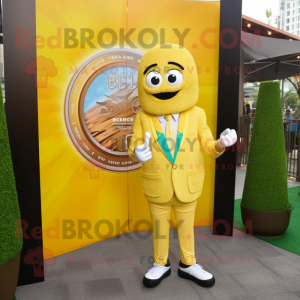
{"x":165,"y":96}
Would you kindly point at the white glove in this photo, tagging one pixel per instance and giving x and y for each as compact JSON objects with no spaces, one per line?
{"x":143,"y":152}
{"x":228,"y":138}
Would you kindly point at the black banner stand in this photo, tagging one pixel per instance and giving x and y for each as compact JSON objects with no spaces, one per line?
{"x":22,"y":120}
{"x":228,"y":106}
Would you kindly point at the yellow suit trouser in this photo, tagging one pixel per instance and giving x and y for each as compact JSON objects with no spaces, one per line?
{"x":161,"y":215}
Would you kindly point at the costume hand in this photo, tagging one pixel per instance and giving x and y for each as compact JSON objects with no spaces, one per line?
{"x":143,"y":152}
{"x":228,"y":138}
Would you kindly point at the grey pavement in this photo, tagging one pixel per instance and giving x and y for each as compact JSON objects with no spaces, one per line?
{"x":244,"y":267}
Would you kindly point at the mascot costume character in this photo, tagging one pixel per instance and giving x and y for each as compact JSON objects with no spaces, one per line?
{"x":169,"y":136}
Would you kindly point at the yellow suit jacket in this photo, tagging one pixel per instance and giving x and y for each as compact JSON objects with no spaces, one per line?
{"x":183,"y":174}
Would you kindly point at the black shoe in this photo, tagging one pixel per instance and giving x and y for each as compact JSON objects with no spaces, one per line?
{"x":197,"y":274}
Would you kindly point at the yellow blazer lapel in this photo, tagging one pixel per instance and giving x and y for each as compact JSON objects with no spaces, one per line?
{"x":160,"y":138}
{"x":182,"y":131}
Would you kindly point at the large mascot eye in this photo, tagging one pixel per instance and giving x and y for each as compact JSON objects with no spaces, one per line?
{"x":174,"y":77}
{"x":154,"y":79}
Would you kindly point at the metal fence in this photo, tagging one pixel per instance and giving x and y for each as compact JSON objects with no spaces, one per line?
{"x":291,"y":134}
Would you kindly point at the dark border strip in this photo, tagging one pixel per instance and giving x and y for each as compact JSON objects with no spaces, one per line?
{"x":228,"y":104}
{"x":22,"y":121}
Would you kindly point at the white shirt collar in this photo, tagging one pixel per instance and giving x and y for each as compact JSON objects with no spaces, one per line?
{"x":161,"y":117}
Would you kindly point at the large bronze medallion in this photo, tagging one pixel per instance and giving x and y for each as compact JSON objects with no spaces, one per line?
{"x":100,"y":108}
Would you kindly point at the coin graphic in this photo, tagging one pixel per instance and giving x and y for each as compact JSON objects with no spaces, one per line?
{"x":100,"y":108}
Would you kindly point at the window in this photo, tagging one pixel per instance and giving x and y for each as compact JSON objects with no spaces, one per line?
{"x":293,"y":12}
{"x":288,"y":6}
{"x":293,"y":27}
{"x":298,"y":18}
{"x":293,"y":20}
{"x":287,"y":13}
{"x":287,"y":28}
{"x":287,"y":21}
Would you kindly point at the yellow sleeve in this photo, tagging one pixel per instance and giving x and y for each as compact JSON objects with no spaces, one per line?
{"x":207,"y":141}
{"x":137,"y":137}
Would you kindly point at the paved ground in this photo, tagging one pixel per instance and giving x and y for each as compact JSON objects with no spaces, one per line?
{"x":244,"y":269}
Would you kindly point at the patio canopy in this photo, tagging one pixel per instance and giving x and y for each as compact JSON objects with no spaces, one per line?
{"x":269,"y":58}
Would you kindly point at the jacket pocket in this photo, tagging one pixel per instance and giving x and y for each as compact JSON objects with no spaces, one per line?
{"x":195,"y":180}
{"x":152,"y":184}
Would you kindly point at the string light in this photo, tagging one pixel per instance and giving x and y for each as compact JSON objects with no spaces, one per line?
{"x":249,"y":25}
{"x":269,"y":32}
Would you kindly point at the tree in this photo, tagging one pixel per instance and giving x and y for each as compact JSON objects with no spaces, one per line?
{"x":291,"y":99}
{"x":295,"y":81}
{"x":269,"y":15}
{"x":297,"y":78}
{"x":254,"y":93}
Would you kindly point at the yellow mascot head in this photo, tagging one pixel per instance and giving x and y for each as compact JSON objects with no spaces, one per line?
{"x":167,"y":80}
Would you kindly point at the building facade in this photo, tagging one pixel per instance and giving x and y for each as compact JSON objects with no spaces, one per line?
{"x":289,"y":18}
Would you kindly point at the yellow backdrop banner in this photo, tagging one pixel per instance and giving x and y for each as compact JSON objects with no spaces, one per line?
{"x":88,"y":54}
